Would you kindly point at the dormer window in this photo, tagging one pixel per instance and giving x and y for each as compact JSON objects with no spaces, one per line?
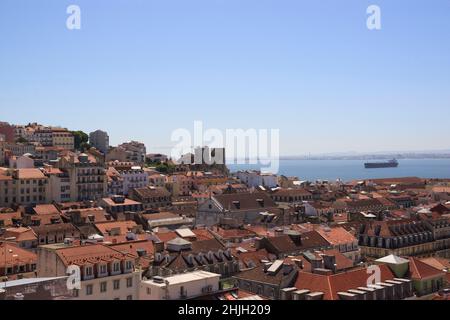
{"x":89,"y":271}
{"x":116,"y":267}
{"x":128,"y":265}
{"x":103,"y":269}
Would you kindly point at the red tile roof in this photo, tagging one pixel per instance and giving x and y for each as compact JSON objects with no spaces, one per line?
{"x":420,"y":270}
{"x":341,"y":282}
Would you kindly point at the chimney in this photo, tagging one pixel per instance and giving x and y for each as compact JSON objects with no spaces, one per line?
{"x":322,"y":272}
{"x":329,"y":262}
{"x":158,"y":247}
{"x":287,"y":268}
{"x":114,"y":231}
{"x":296,"y":237}
{"x":287,"y":294}
{"x":261,"y":202}
{"x":267,"y":265}
{"x":258,"y":243}
{"x":298,"y":263}
{"x":279,"y":232}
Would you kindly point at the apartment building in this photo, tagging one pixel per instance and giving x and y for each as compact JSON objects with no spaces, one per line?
{"x":180,"y":287}
{"x":152,"y":197}
{"x":105,"y":273}
{"x":15,"y":262}
{"x":136,"y":151}
{"x":7,"y":132}
{"x":403,"y":237}
{"x":257,"y":178}
{"x":18,"y":149}
{"x":64,"y":139}
{"x":119,"y":204}
{"x":87,"y":174}
{"x":24,"y":186}
{"x":100,"y":140}
{"x":133,"y":177}
{"x":59,"y":184}
{"x":240,"y":207}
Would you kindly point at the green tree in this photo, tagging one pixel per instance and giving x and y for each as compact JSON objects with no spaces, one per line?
{"x":21,"y":140}
{"x":81,"y":139}
{"x":85,"y":146}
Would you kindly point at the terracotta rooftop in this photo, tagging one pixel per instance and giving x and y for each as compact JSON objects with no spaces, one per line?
{"x":341,"y":282}
{"x":420,"y":270}
{"x":336,"y":236}
{"x":30,"y":174}
{"x":245,"y":201}
{"x":89,"y":254}
{"x":13,"y":255}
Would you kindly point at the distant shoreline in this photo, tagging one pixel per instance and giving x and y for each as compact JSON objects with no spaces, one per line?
{"x":359,"y":158}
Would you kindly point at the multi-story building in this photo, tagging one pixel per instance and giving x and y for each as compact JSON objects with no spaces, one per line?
{"x":2,"y":154}
{"x":180,"y":287}
{"x":156,"y":157}
{"x":157,"y":179}
{"x":183,"y":256}
{"x":179,"y":185}
{"x":132,"y":177}
{"x":16,"y":262}
{"x":115,"y":182}
{"x":21,"y":162}
{"x":59,"y":184}
{"x":19,"y":149}
{"x":119,"y":204}
{"x":152,"y":197}
{"x":100,"y":140}
{"x":343,"y":241}
{"x":43,"y":136}
{"x":404,"y":237}
{"x":87,"y":175}
{"x":61,"y":138}
{"x":23,"y":186}
{"x":255,"y":179}
{"x":7,"y":188}
{"x":7,"y":132}
{"x":137,"y":151}
{"x":53,"y":137}
{"x":292,"y":196}
{"x":105,"y":273}
{"x":244,"y":208}
{"x":118,"y":154}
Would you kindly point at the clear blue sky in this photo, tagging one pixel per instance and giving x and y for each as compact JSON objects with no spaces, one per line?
{"x":140,"y":69}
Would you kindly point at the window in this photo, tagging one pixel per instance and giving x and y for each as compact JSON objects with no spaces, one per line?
{"x":116,"y":267}
{"x":129,"y":297}
{"x":129,"y":282}
{"x":116,"y":284}
{"x":89,"y":290}
{"x":103,"y":269}
{"x":88,"y":271}
{"x":103,"y":287}
{"x":129,"y":265}
{"x":149,"y":291}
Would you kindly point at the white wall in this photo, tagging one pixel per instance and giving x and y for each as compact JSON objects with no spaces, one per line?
{"x":153,"y":291}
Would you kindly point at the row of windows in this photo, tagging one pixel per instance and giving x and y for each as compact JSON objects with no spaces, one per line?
{"x":104,"y":286}
{"x":28,"y":190}
{"x":31,"y":181}
{"x":26,"y":199}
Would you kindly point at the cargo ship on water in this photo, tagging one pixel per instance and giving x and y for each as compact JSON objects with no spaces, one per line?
{"x":386,"y":164}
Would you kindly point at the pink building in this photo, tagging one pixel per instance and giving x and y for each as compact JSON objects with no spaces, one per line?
{"x":7,"y":132}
